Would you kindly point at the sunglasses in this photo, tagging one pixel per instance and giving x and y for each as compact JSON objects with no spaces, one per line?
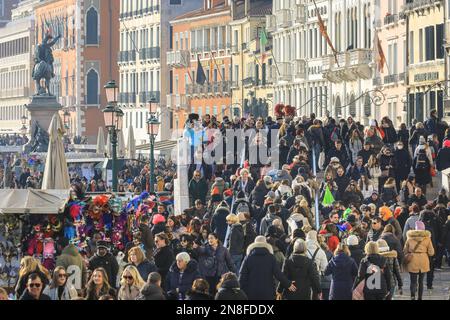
{"x":128,"y":277}
{"x":34,"y":285}
{"x":62,"y":275}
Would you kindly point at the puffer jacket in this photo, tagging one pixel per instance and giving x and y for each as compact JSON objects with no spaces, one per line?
{"x":420,"y":261}
{"x":394,"y":268}
{"x":127,"y":292}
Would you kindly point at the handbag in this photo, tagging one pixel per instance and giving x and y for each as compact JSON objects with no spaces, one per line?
{"x":433,"y":171}
{"x":408,"y":257}
{"x":358,"y":292}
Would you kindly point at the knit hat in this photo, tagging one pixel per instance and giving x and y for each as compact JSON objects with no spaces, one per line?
{"x":260,"y":239}
{"x":446,"y":144}
{"x":312,"y":235}
{"x":184,"y":256}
{"x":352,"y":240}
{"x":420,"y":225}
{"x":158,"y":218}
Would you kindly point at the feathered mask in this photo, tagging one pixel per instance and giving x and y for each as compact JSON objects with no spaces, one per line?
{"x":134,"y":203}
{"x":279,"y":110}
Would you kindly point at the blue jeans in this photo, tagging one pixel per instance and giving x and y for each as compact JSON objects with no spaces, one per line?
{"x":237,"y":260}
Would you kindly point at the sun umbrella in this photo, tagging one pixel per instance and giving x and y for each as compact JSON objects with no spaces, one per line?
{"x":120,"y":144}
{"x":131,"y":145}
{"x":56,"y":174}
{"x":100,"y":141}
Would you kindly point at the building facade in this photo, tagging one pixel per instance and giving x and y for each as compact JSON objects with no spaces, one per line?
{"x":426,"y":58}
{"x":85,"y":57}
{"x":145,"y":35}
{"x":202,"y":35}
{"x":391,"y":29}
{"x":253,"y":69}
{"x":16,"y":42}
{"x":6,"y":6}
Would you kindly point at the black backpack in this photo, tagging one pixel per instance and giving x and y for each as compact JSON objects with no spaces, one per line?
{"x":421,"y":162}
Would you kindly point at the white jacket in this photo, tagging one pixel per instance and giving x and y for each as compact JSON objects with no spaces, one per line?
{"x":320,"y":259}
{"x":68,"y":294}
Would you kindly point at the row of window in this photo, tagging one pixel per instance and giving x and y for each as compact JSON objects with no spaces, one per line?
{"x":140,"y":82}
{"x":133,"y":5}
{"x":14,"y":79}
{"x":14,"y":47}
{"x":140,"y":39}
{"x":135,"y":119}
{"x":12,"y":112}
{"x":430,"y":42}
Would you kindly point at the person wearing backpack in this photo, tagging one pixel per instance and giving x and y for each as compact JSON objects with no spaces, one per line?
{"x":394,"y":267}
{"x":418,"y":249}
{"x":421,"y":167}
{"x":267,"y":221}
{"x":374,"y":270}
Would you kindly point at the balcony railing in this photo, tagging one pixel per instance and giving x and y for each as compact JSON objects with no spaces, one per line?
{"x":392,"y":78}
{"x":271,"y":23}
{"x":402,"y":76}
{"x":300,"y":13}
{"x":285,"y":69}
{"x":146,"y":96}
{"x":177,"y":101}
{"x":249,"y":81}
{"x":284,"y":18}
{"x":392,"y":18}
{"x":300,"y":68}
{"x":214,"y":88}
{"x":150,"y":53}
{"x":235,"y":48}
{"x":419,"y":4}
{"x":376,"y":81}
{"x":177,"y":59}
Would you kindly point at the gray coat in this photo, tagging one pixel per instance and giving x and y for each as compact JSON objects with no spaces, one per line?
{"x":410,"y":224}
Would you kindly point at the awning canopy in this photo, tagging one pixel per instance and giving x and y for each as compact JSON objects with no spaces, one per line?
{"x":159,"y":145}
{"x":19,"y":201}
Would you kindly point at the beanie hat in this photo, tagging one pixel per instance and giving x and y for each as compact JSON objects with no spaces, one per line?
{"x":184,"y":256}
{"x":158,"y":218}
{"x":352,"y":240}
{"x":420,"y":225}
{"x":446,"y":144}
{"x":334,"y":159}
{"x":228,"y":193}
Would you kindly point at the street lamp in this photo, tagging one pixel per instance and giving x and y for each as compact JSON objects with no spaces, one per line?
{"x":152,"y":130}
{"x":24,"y":128}
{"x":66,"y":118}
{"x":113,"y":122}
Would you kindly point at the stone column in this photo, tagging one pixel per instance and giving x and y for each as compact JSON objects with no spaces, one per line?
{"x":181,"y":183}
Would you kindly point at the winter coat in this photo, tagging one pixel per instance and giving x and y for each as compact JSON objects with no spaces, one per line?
{"x":316,"y":135}
{"x":352,"y":197}
{"x":422,"y":201}
{"x":420,"y":261}
{"x":443,"y":159}
{"x":320,"y":258}
{"x":386,"y":161}
{"x":198,"y":296}
{"x":151,"y":292}
{"x":384,"y":283}
{"x":266,"y":222}
{"x":343,"y":270}
{"x":257,"y":196}
{"x":127,"y":292}
{"x":230,"y":291}
{"x":220,"y":184}
{"x":355,"y":173}
{"x":214,"y":263}
{"x":355,"y":146}
{"x":247,"y":189}
{"x":27,"y":296}
{"x":342,"y":183}
{"x":403,"y":136}
{"x":219,"y":222}
{"x":258,"y":271}
{"x":198,"y":190}
{"x":21,"y":284}
{"x":394,"y":268}
{"x":377,"y":143}
{"x":236,"y":239}
{"x":145,"y":268}
{"x":404,"y":162}
{"x":147,"y":240}
{"x":163,"y":260}
{"x":446,"y":234}
{"x":71,"y":259}
{"x":414,"y":139}
{"x":394,"y":244}
{"x":365,"y":155}
{"x":303,"y":272}
{"x":357,"y":253}
{"x":181,"y":281}
{"x":69,"y":292}
{"x":389,"y":194}
{"x":107,"y":262}
{"x":342,"y":155}
{"x":423,"y":176}
{"x":390,"y":135}
{"x":374,"y":235}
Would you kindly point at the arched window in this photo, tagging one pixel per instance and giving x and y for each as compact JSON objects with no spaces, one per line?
{"x":92,"y":87}
{"x":337,"y":108}
{"x":92,"y":26}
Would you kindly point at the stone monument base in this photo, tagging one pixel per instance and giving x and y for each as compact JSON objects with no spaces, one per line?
{"x":41,"y":109}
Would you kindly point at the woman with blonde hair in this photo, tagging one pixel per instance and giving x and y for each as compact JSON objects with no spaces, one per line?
{"x":374,"y":267}
{"x":137,"y":258}
{"x":374,"y":169}
{"x":131,"y":284}
{"x":343,"y":271}
{"x":59,"y":289}
{"x":98,"y":285}
{"x":29,"y":265}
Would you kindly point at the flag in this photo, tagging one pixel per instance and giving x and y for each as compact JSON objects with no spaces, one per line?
{"x":328,"y":199}
{"x":380,"y":58}
{"x":263,"y":41}
{"x":201,"y":77}
{"x":324,"y":32}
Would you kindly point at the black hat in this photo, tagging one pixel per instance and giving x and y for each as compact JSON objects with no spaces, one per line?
{"x":102,"y":244}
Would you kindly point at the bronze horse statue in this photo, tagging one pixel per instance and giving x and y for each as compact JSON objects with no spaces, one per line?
{"x":43,"y":68}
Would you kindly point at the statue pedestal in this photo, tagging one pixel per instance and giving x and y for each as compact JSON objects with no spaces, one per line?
{"x":41,"y":109}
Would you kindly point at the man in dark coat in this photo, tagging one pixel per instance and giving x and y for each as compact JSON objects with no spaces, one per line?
{"x":147,"y":236}
{"x":431,"y":123}
{"x":443,"y":157}
{"x":339,"y":152}
{"x":376,"y":229}
{"x":403,"y":161}
{"x":35,"y":286}
{"x":104,"y":259}
{"x":198,"y":188}
{"x":357,"y":170}
{"x":219,"y":220}
{"x":258,"y":271}
{"x":152,"y":289}
{"x":366,"y":152}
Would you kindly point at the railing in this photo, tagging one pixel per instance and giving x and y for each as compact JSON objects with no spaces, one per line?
{"x":209,"y":88}
{"x":19,"y":92}
{"x":249,"y":81}
{"x":416,"y":4}
{"x":285,"y":69}
{"x":300,"y":68}
{"x":360,"y":56}
{"x":392,"y":18}
{"x":235,"y":48}
{"x":284,"y":18}
{"x":300,"y":13}
{"x":390,"y":78}
{"x":402,"y":76}
{"x":146,"y":96}
{"x":376,"y":81}
{"x":180,"y":58}
{"x":150,"y":53}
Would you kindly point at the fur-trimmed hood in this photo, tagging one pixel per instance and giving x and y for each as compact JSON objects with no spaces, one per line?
{"x":389,"y":254}
{"x":418,"y":235}
{"x":259,"y":245}
{"x":390,"y":185}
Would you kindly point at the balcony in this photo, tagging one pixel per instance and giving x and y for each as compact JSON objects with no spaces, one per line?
{"x":392,"y":78}
{"x":234,"y":49}
{"x":360,"y":60}
{"x":153,"y":53}
{"x":300,"y":13}
{"x":284,"y":18}
{"x":352,"y":65}
{"x":178,"y":59}
{"x":420,"y":4}
{"x":146,"y":96}
{"x":122,"y":56}
{"x":389,"y":19}
{"x":209,"y":89}
{"x":402,"y":76}
{"x":177,"y":101}
{"x":300,"y":68}
{"x":285,"y":69}
{"x":123,"y":97}
{"x":271,"y":23}
{"x":248,"y":82}
{"x":377,"y":81}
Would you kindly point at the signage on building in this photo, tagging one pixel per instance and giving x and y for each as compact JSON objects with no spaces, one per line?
{"x":429,"y":76}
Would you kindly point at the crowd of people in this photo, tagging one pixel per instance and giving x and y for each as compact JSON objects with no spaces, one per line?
{"x":251,"y":231}
{"x":13,"y":140}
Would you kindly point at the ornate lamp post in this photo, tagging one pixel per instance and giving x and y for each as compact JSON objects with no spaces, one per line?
{"x":113,"y":121}
{"x":152,"y":130}
{"x":24,"y":128}
{"x":66,"y":117}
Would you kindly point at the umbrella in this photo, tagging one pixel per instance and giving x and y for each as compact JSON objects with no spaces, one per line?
{"x":131,"y":146}
{"x":108,"y":149}
{"x":120,"y":144}
{"x":100,"y":142}
{"x":56,"y":174}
